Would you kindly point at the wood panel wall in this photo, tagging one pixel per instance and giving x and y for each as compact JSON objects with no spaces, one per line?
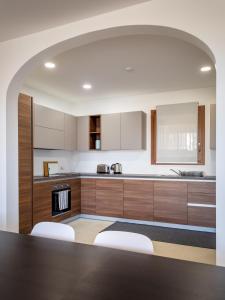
{"x":25,"y":139}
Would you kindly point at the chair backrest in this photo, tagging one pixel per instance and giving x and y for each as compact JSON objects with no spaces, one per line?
{"x":125,"y":241}
{"x":54,"y":230}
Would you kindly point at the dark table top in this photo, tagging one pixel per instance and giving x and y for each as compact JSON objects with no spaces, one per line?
{"x":42,"y":269}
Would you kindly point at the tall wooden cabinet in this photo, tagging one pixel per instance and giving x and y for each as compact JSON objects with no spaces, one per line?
{"x":25,"y":139}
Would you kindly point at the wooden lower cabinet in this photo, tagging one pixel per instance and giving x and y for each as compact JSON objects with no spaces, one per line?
{"x":138,"y":199}
{"x":42,"y":201}
{"x":170,"y":202}
{"x":202,"y":194}
{"x":202,"y":216}
{"x":109,"y":197}
{"x":88,"y":196}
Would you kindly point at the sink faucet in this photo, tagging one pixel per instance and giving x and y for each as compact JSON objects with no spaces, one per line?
{"x":176,"y":172}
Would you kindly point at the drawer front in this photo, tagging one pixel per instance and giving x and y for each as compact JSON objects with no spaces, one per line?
{"x":138,"y":199}
{"x":202,"y":216}
{"x":202,"y":198}
{"x":202,"y":187}
{"x":114,"y":185}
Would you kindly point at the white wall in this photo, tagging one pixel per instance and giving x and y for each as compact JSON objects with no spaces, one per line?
{"x":48,"y":100}
{"x":132,"y":161}
{"x":64,"y":158}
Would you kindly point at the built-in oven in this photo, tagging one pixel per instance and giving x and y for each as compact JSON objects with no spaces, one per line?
{"x":61,"y":199}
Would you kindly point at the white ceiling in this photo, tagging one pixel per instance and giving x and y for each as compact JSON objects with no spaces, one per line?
{"x":160,"y":64}
{"x":22,"y":17}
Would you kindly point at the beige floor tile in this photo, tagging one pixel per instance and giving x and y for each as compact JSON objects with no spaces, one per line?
{"x":196,"y":254}
{"x":87,"y":229}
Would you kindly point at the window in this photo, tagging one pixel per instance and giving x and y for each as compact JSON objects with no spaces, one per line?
{"x":178,"y":134}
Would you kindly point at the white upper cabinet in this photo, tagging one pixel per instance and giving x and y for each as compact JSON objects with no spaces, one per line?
{"x":47,"y":117}
{"x":70,"y":133}
{"x":47,"y":138}
{"x":83,"y":133}
{"x":48,"y":128}
{"x":133,"y":130}
{"x":110,"y":132}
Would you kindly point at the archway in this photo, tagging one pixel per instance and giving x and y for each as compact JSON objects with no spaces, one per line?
{"x":14,"y":88}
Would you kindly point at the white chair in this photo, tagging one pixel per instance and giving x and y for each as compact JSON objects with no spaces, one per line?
{"x":54,"y":230}
{"x":125,"y":241}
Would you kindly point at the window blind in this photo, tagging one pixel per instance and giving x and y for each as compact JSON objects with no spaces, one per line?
{"x":177,"y":133}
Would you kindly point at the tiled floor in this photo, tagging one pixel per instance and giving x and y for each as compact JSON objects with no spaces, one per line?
{"x":87,"y":229}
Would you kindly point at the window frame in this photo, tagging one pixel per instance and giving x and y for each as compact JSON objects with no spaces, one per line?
{"x":201,"y":139}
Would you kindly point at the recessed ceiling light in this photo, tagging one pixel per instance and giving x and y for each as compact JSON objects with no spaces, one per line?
{"x":87,"y":86}
{"x":49,"y":65}
{"x":206,"y":69}
{"x":129,"y":69}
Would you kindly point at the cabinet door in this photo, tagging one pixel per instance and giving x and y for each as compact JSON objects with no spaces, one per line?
{"x":88,"y":196}
{"x":70,"y":133}
{"x":75,"y":196}
{"x":138,"y":199}
{"x":47,"y":117}
{"x":170,"y":202}
{"x":110,"y":129}
{"x":47,"y":138}
{"x":83,"y":133}
{"x":133,"y":130}
{"x":109,"y":197}
{"x":42,"y":202}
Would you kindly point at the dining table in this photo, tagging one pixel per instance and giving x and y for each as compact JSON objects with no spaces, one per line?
{"x":38,"y":268}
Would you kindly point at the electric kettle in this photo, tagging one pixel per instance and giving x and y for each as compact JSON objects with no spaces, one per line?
{"x":117,"y":168}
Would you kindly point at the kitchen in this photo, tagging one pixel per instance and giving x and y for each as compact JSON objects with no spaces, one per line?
{"x":119,"y":128}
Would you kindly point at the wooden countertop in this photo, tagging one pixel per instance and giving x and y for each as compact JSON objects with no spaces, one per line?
{"x":43,"y":269}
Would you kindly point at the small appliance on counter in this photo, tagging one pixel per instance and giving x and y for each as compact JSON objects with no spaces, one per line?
{"x":51,"y":168}
{"x":116,"y":168}
{"x":103,"y":169}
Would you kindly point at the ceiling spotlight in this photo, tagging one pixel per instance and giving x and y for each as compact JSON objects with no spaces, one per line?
{"x":206,"y":69}
{"x":87,"y":86}
{"x":129,"y":69}
{"x":49,"y":65}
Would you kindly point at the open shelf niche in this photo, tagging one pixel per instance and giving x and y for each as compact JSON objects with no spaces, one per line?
{"x":95,"y":132}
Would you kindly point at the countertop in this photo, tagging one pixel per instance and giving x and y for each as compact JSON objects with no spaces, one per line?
{"x":122,"y":176}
